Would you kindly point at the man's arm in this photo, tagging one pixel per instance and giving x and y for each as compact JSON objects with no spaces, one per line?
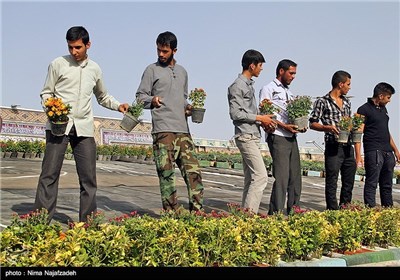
{"x":49,"y":85}
{"x":394,"y":147}
{"x":144,"y":90}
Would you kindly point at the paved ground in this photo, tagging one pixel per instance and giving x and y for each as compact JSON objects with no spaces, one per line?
{"x":124,"y":187}
{"x":133,"y":186}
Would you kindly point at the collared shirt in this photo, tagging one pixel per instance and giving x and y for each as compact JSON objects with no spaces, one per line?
{"x":328,"y":112}
{"x":376,"y":128}
{"x":279,"y":95}
{"x":243,"y":107}
{"x":170,"y":83}
{"x":75,"y":83}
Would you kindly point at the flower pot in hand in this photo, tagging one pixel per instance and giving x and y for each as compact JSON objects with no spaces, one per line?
{"x":198,"y":115}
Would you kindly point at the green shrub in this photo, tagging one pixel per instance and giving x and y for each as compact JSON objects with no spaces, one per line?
{"x":183,"y":238}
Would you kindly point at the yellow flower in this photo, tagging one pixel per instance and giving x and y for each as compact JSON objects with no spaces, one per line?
{"x":56,"y":110}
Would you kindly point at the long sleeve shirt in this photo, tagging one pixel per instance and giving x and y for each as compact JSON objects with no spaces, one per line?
{"x":243,"y":108}
{"x":76,"y":82}
{"x":170,"y":84}
{"x":279,"y":96}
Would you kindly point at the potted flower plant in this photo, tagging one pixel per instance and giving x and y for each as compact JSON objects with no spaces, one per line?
{"x":197,"y":98}
{"x":345,"y":125}
{"x":356,"y":132}
{"x":267,"y":108}
{"x":298,"y":110}
{"x":57,"y":112}
{"x":131,"y":117}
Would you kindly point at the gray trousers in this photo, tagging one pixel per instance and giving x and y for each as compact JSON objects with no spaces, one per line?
{"x":286,"y":170}
{"x":84,"y":151}
{"x":255,"y":172}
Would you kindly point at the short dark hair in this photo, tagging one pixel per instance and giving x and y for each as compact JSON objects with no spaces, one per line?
{"x":251,"y":56}
{"x":383,"y":88}
{"x":339,"y":77}
{"x":285,"y":64}
{"x":167,"y":38}
{"x":78,"y":32}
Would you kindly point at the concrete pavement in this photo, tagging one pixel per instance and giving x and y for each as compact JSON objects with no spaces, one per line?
{"x":129,"y":186}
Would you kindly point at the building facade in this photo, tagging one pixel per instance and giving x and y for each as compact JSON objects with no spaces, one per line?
{"x":28,"y":124}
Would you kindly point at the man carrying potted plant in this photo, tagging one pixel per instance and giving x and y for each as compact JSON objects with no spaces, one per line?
{"x":282,"y":142}
{"x":164,"y":90}
{"x":75,"y":78}
{"x":380,"y":150}
{"x":327,"y":112}
{"x":244,"y":112}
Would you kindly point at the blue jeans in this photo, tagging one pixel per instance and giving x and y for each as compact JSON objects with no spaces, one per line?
{"x":379,"y":168}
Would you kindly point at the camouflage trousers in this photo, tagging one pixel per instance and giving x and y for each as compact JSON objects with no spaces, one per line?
{"x":177,"y":148}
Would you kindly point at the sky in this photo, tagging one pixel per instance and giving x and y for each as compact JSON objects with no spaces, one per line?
{"x":360,"y":37}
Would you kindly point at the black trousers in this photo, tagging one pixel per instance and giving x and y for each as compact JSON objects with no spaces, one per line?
{"x":84,"y":151}
{"x":339,"y":158}
{"x":286,"y":170}
{"x":379,"y":168}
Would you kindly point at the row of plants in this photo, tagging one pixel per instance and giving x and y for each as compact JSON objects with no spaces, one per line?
{"x":125,"y":150}
{"x":187,"y":239}
{"x":37,"y":148}
{"x":25,"y":146}
{"x":306,"y":165}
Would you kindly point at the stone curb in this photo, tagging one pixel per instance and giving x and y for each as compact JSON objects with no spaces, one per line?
{"x":372,"y":257}
{"x":323,"y":262}
{"x":350,"y":260}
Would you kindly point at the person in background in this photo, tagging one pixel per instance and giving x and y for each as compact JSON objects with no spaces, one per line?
{"x":282,"y":142}
{"x":75,"y":78}
{"x":339,"y":157}
{"x":380,"y":151}
{"x":243,"y":110}
{"x":164,"y":90}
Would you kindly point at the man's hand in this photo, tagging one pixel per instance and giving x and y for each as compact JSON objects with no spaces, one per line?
{"x":123,"y":108}
{"x":302,"y":130}
{"x":156,"y":102}
{"x":332,"y":129}
{"x":188,"y":110}
{"x":269,"y":128}
{"x":266,"y":120}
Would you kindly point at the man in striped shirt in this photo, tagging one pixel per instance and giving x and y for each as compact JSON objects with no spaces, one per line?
{"x":339,"y":157}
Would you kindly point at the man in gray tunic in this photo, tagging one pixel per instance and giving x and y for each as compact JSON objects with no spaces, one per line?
{"x":164,"y":90}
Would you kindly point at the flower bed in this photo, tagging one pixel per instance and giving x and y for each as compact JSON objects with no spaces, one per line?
{"x":237,"y":238}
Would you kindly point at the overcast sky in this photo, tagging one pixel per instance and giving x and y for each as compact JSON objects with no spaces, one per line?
{"x":361,"y":37}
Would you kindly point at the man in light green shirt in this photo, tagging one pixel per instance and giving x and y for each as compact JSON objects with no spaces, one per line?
{"x":74,"y":78}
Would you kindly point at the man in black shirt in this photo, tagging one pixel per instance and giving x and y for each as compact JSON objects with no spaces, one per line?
{"x":379,"y":147}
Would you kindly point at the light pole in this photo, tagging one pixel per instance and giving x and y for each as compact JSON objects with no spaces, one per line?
{"x":316,"y":145}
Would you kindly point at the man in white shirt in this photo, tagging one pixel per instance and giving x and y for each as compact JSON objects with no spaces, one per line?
{"x":282,"y":142}
{"x":74,"y":78}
